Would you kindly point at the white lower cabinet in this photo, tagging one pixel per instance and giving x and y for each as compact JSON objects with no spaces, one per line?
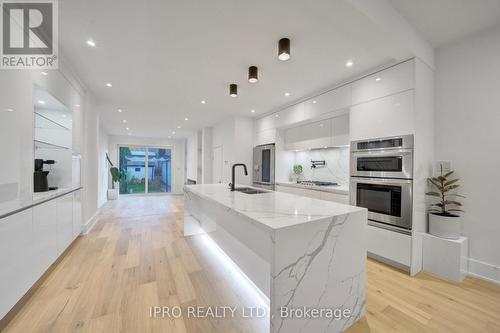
{"x":386,"y":244}
{"x":17,"y":261}
{"x":335,"y":197}
{"x":31,"y":241}
{"x":64,"y":222}
{"x":328,"y":196}
{"x":45,"y":231}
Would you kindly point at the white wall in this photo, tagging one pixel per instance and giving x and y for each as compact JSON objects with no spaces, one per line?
{"x":178,"y":154}
{"x":103,"y":168}
{"x":468,"y":134}
{"x":235,"y":135}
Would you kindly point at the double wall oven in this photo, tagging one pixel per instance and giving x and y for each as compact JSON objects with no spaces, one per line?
{"x":382,"y":181}
{"x":263,"y":166}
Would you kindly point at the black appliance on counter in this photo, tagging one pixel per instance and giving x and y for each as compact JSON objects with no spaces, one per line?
{"x":40,"y":183}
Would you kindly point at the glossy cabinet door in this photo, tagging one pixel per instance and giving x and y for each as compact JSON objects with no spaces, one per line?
{"x":45,"y":235}
{"x":337,"y":99}
{"x":384,"y":83}
{"x":17,"y":272}
{"x":340,"y":131}
{"x":316,"y":135}
{"x":77,"y":213}
{"x":64,"y":222}
{"x":293,"y":138}
{"x":289,"y":116}
{"x":383,"y":117}
{"x":265,"y":137}
{"x":265,"y":123}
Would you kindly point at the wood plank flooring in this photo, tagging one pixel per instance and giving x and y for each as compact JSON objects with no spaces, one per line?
{"x":136,"y":257}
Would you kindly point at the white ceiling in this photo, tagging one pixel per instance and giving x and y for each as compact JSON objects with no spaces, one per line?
{"x":164,"y":57}
{"x":445,"y":21}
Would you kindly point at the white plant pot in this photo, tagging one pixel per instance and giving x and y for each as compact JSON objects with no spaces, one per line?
{"x":113,"y":194}
{"x":448,"y":227}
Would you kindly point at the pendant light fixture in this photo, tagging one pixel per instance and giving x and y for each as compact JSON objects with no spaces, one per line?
{"x":253,"y":75}
{"x":284,"y":49}
{"x":233,"y":90}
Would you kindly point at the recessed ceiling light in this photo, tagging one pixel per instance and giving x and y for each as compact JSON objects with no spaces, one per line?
{"x":314,"y":102}
{"x":349,"y":63}
{"x":109,"y":85}
{"x":44,"y":73}
{"x":378,"y":79}
{"x":253,"y":111}
{"x":287,"y":94}
{"x":120,"y":110}
{"x":178,"y":127}
{"x":186,"y":119}
{"x":124,"y":121}
{"x":284,"y":49}
{"x":91,"y":42}
{"x":127,"y":128}
{"x":41,"y":102}
{"x":77,"y":105}
{"x":9,"y":110}
{"x":173,"y":132}
{"x":276,"y":115}
{"x":203,"y":102}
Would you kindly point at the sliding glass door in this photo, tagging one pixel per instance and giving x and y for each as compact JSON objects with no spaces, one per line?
{"x":145,"y":169}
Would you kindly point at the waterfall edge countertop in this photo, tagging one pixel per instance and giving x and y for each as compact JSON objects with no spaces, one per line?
{"x":273,"y":210}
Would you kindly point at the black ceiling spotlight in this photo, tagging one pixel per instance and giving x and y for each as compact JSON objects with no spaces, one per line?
{"x":253,"y":75}
{"x":284,"y":49}
{"x":233,"y":90}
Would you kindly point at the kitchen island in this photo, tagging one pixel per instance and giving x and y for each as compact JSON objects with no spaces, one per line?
{"x":302,"y":253}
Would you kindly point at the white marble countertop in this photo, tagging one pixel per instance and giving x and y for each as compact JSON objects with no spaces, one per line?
{"x":273,"y":210}
{"x":340,"y":189}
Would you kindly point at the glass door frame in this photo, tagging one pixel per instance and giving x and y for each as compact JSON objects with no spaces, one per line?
{"x":140,"y":146}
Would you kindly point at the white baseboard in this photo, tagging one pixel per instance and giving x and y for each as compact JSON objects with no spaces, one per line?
{"x":90,"y":223}
{"x":484,"y":271}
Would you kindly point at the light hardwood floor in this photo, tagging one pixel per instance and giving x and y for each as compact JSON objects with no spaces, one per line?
{"x":136,"y":257}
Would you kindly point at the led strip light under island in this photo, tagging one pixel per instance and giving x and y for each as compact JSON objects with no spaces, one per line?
{"x":304,"y":256}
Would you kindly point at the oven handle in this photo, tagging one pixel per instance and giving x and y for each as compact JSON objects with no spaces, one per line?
{"x":385,"y":181}
{"x":393,"y":152}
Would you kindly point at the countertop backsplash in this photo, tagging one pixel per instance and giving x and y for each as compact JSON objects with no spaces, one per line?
{"x":335,"y":170}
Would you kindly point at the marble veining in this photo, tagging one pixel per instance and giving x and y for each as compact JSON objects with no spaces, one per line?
{"x":310,"y":254}
{"x":335,"y":170}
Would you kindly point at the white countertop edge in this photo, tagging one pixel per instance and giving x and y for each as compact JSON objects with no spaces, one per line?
{"x":42,"y":196}
{"x":263,"y":220}
{"x":340,"y":189}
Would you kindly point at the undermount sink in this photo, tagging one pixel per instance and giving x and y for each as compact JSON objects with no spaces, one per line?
{"x":249,"y":190}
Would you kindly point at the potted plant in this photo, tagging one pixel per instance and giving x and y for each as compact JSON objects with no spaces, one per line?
{"x":116,"y":176}
{"x":297,"y":171}
{"x":443,"y":218}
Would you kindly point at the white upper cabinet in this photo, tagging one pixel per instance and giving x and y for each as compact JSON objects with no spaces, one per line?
{"x":316,"y":135}
{"x":289,"y":116}
{"x":383,"y":117}
{"x":340,"y":130}
{"x":387,"y":82}
{"x":332,"y":132}
{"x":265,"y":123}
{"x":265,"y":137}
{"x":333,"y":100}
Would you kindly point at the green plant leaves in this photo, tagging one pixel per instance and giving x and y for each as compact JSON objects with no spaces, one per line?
{"x":433,"y":194}
{"x":443,"y":187}
{"x":451,"y":182}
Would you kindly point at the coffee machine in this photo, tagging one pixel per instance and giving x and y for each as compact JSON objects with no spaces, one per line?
{"x":40,"y":177}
